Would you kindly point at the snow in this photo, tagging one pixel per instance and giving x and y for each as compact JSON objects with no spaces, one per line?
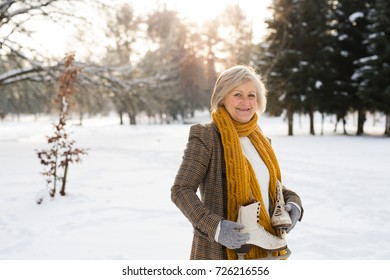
{"x":375,"y":35}
{"x":360,"y":72}
{"x":343,"y":37}
{"x":344,"y":53}
{"x":368,"y":58}
{"x":318,"y":84}
{"x":118,"y":198}
{"x":353,"y":17}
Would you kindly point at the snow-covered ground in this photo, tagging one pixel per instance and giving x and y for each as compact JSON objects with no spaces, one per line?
{"x":118,"y":204}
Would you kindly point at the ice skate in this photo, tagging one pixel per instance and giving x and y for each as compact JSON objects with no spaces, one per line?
{"x":248,"y":215}
{"x":280,"y":219}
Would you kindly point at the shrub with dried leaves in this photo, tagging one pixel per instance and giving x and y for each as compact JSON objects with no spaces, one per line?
{"x":62,"y":152}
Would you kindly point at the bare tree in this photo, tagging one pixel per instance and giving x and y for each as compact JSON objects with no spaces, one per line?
{"x":123,"y":31}
{"x":237,"y":29}
{"x":16,"y":35}
{"x":25,"y":69}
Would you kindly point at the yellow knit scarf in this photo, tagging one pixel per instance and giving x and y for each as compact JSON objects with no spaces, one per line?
{"x":242,"y":184}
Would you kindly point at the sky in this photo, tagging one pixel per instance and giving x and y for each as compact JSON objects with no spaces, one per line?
{"x":58,"y":40}
{"x":201,"y":10}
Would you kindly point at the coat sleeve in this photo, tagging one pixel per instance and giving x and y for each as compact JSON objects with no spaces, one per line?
{"x":191,"y":174}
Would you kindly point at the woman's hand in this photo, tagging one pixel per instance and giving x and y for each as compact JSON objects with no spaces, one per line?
{"x":294,"y":212}
{"x":230,"y":235}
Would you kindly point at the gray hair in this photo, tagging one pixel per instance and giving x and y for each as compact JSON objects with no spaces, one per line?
{"x":233,"y":77}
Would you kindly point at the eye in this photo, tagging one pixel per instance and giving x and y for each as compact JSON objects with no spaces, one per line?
{"x":252,"y":95}
{"x":237,"y":94}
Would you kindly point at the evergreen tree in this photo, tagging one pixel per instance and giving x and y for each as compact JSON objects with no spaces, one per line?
{"x":313,"y":69}
{"x":374,"y":70}
{"x":285,"y":80}
{"x":350,"y":26}
{"x":296,"y":58}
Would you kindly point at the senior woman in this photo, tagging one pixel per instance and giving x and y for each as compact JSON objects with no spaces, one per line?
{"x":230,"y":162}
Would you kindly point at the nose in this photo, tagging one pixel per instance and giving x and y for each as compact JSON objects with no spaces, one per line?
{"x":245,"y":99}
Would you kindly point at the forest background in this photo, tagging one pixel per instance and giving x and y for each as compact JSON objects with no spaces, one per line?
{"x":328,"y":57}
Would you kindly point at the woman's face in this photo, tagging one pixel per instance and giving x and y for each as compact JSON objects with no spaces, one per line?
{"x":241,"y":102}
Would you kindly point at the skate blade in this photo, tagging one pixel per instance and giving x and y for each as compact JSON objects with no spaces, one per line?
{"x":267,"y":249}
{"x":276,"y":258}
{"x":282,"y":226}
{"x":269,"y":257}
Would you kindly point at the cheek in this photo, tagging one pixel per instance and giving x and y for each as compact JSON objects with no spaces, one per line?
{"x":255,"y":104}
{"x":230,"y":102}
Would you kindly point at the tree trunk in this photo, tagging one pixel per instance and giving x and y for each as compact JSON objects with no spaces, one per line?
{"x":387,"y":129}
{"x":361,"y":120}
{"x":62,"y":191}
{"x":81,"y":117}
{"x":132,"y":118}
{"x":120,"y":117}
{"x":344,"y":125}
{"x":55,"y":176}
{"x":290,"y":119}
{"x":311,"y":115}
{"x":337,"y":122}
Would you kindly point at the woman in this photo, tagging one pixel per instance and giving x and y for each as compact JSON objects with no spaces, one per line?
{"x":230,"y":162}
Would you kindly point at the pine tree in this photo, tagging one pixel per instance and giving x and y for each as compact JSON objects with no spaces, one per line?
{"x":296,"y":60}
{"x":350,"y":27}
{"x":313,"y":43}
{"x":282,"y":57}
{"x":374,"y":70}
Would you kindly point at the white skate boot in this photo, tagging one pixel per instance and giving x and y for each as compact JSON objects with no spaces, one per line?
{"x":248,"y":215}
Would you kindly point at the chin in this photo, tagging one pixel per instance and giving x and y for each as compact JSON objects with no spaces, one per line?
{"x":242,"y":120}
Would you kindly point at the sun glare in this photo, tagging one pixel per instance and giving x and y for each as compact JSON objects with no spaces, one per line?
{"x":197,"y":11}
{"x":201,"y":10}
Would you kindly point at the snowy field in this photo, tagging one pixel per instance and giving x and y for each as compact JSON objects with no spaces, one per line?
{"x":118,"y":204}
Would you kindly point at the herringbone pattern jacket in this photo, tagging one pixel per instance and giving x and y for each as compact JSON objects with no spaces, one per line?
{"x":203,"y":169}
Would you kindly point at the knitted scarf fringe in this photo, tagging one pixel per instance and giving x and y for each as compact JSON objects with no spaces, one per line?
{"x":242,"y":184}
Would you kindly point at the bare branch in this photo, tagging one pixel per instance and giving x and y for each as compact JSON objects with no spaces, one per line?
{"x":6,"y":13}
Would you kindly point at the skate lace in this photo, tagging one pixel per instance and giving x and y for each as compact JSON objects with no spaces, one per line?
{"x":278,"y":209}
{"x":258,"y":218}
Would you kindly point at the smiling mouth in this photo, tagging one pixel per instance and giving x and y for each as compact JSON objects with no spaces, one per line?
{"x":243,"y":110}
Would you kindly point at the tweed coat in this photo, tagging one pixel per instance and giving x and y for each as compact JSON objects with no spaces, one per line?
{"x":203,"y":169}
